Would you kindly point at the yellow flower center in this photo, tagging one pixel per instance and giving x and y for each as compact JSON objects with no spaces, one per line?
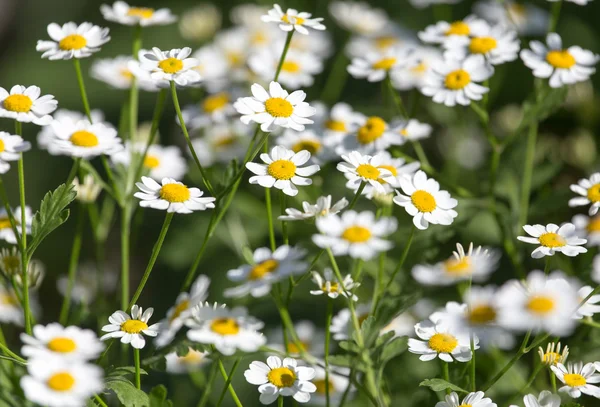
{"x":290,"y":66}
{"x":391,"y":169}
{"x":151,"y":161}
{"x":179,"y":308}
{"x":8,"y":299}
{"x":465,"y":405}
{"x":225,"y":326}
{"x":552,"y":240}
{"x":482,"y":314}
{"x":235,"y":58}
{"x":482,"y":45}
{"x":2,"y":147}
{"x":262,"y":269}
{"x":404,"y":132}
{"x":385,"y":63}
{"x":371,"y":130}
{"x":62,"y":381}
{"x":551,"y":358}
{"x":293,"y":348}
{"x":333,"y":287}
{"x":171,"y":65}
{"x":458,"y":267}
{"x":593,"y":225}
{"x":540,"y":304}
{"x":458,"y":79}
{"x":368,"y":171}
{"x":282,"y":377}
{"x":62,"y":345}
{"x":258,"y":38}
{"x":225,"y":141}
{"x":282,"y":169}
{"x":423,"y":200}
{"x":84,"y":138}
{"x":593,"y":193}
{"x":141,"y":12}
{"x":335,"y":125}
{"x":322,"y":386}
{"x":5,"y":223}
{"x":126,"y":73}
{"x":72,"y":42}
{"x":18,"y":103}
{"x":174,"y":193}
{"x":574,"y":380}
{"x":133,"y":326}
{"x":312,"y":146}
{"x":11,"y":263}
{"x":385,"y":42}
{"x":356,"y":234}
{"x":560,"y":59}
{"x":458,"y":28}
{"x":215,"y":102}
{"x":443,"y":343}
{"x":297,"y":20}
{"x":279,"y":107}
{"x":419,"y":69}
{"x":193,"y":357}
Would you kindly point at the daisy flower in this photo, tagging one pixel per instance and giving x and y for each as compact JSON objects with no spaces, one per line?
{"x":425,"y":201}
{"x":358,"y":235}
{"x":553,"y":354}
{"x":298,"y":70}
{"x":10,"y":307}
{"x":193,"y":361}
{"x":411,"y":130}
{"x":578,"y":378}
{"x":165,"y":66}
{"x":213,"y":68}
{"x":329,"y":285}
{"x":25,"y":105}
{"x":248,"y":14}
{"x":367,"y":169}
{"x":6,"y":232}
{"x":375,"y":66}
{"x":342,"y":327}
{"x":411,"y":75}
{"x":319,"y":44}
{"x":178,"y":313}
{"x":275,"y":107}
{"x":268,"y":268}
{"x":588,"y":227}
{"x":438,"y":339}
{"x":564,"y":66}
{"x":283,"y":170}
{"x":321,"y":208}
{"x":60,"y":383}
{"x":472,"y":399}
{"x":438,"y":32}
{"x":45,"y":138}
{"x":337,"y":384}
{"x":358,"y":17}
{"x":477,"y":264}
{"x":292,"y":20}
{"x":83,"y":139}
{"x":115,"y":72}
{"x":540,"y":303}
{"x":578,"y":2}
{"x":120,"y":12}
{"x":340,"y":121}
{"x":70,"y":343}
{"x":307,"y":140}
{"x":172,"y":196}
{"x":73,"y":41}
{"x":88,"y":190}
{"x":545,"y":399}
{"x":130,"y":329}
{"x":371,"y":137}
{"x":10,"y":149}
{"x":552,"y":238}
{"x":311,"y":339}
{"x":10,"y":261}
{"x":279,"y":378}
{"x":399,"y":169}
{"x":590,"y":307}
{"x":87,"y":287}
{"x":589,"y":189}
{"x":214,"y":108}
{"x":160,"y":161}
{"x":497,"y":44}
{"x":226,"y":329}
{"x":455,"y":82}
{"x":222,"y":143}
{"x":527,"y":19}
{"x":200,"y":22}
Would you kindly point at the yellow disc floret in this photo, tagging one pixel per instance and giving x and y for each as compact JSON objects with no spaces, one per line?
{"x":385,"y":64}
{"x":174,"y":193}
{"x":171,"y":65}
{"x":560,"y":59}
{"x":371,"y":130}
{"x":356,"y":234}
{"x":443,"y":343}
{"x":423,"y":201}
{"x":72,"y":42}
{"x":482,"y":314}
{"x":368,"y":171}
{"x":151,"y":161}
{"x":62,"y":381}
{"x":225,"y":326}
{"x":290,"y":66}
{"x":336,"y":125}
{"x":458,"y":28}
{"x":140,"y":12}
{"x":457,"y":80}
{"x":593,"y":193}
{"x":262,"y":269}
{"x":279,"y":107}
{"x":281,"y":377}
{"x":62,"y":345}
{"x":282,"y":169}
{"x":540,"y":304}
{"x":574,"y":380}
{"x":134,"y":326}
{"x":482,"y":45}
{"x":312,"y":146}
{"x":18,"y":103}
{"x":83,"y":138}
{"x":215,"y":102}
{"x":552,"y":240}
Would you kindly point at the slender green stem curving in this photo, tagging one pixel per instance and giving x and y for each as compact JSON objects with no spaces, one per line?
{"x":136,"y":358}
{"x":11,"y":354}
{"x":100,"y":401}
{"x":284,"y":226}
{"x":522,"y":350}
{"x":527,"y":174}
{"x":473,"y":363}
{"x":228,"y":381}
{"x":357,"y":194}
{"x":404,"y":253}
{"x":125,"y":243}
{"x":73,"y":261}
{"x":270,"y":218}
{"x":328,"y":317}
{"x":286,"y":47}
{"x":133,"y":90}
{"x":236,"y":399}
{"x":212,"y":375}
{"x":81,"y":83}
{"x":556,"y":6}
{"x":445,"y":373}
{"x":397,"y":99}
{"x":280,"y":401}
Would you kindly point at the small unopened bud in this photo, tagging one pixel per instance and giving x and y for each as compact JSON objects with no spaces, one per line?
{"x":10,"y":262}
{"x":36,"y":271}
{"x":383,"y":200}
{"x":88,"y":191}
{"x":200,"y":23}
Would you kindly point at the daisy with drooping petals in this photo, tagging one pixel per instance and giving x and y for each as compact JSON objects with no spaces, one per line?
{"x":172,"y":196}
{"x":358,"y":235}
{"x":497,"y":44}
{"x":88,"y":190}
{"x":130,"y":329}
{"x":70,"y":343}
{"x":160,"y":161}
{"x":308,"y":140}
{"x":120,"y":12}
{"x":292,"y":20}
{"x":228,"y":330}
{"x":411,"y":130}
{"x":329,"y":285}
{"x":553,"y":354}
{"x":268,"y":269}
{"x":578,"y":378}
{"x":279,"y":378}
{"x":376,"y":66}
{"x":321,"y":208}
{"x":456,"y":82}
{"x":425,"y":201}
{"x":438,"y":32}
{"x":371,"y":137}
{"x":193,"y":361}
{"x":6,"y":232}
{"x":282,"y":170}
{"x":411,"y":75}
{"x":472,"y":400}
{"x":359,"y":169}
{"x":358,"y":17}
{"x":564,"y":66}
{"x":73,"y":41}
{"x":275,"y":107}
{"x":165,"y":66}
{"x":83,"y":139}
{"x":552,"y":239}
{"x":589,"y":189}
{"x":298,"y":70}
{"x":588,"y":228}
{"x":342,"y":326}
{"x":438,"y":339}
{"x":25,"y":105}
{"x":10,"y":149}
{"x":116,"y":73}
{"x":61,"y":383}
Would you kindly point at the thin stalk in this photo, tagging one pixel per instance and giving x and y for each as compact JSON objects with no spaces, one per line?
{"x":133,"y":90}
{"x":421,"y":154}
{"x":136,"y":358}
{"x":280,"y":401}
{"x":547,"y":265}
{"x":100,"y":401}
{"x":522,"y":350}
{"x":358,"y":193}
{"x":125,"y":226}
{"x":153,"y":257}
{"x":228,"y":381}
{"x":286,"y":47}
{"x":84,"y":98}
{"x":552,"y":380}
{"x":236,"y":400}
{"x":473,"y":363}
{"x":556,"y":6}
{"x":211,"y":378}
{"x":445,"y":373}
{"x":397,"y":99}
{"x":328,"y":317}
{"x":404,"y":253}
{"x":527,"y":173}
{"x":270,"y":218}
{"x":10,"y":353}
{"x":334,"y":85}
{"x":284,"y":228}
{"x":73,"y":261}
{"x":112,"y":180}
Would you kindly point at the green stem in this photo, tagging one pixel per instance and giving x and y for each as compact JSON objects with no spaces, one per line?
{"x":421,"y":154}
{"x":328,"y":317}
{"x":280,"y":401}
{"x":112,"y":180}
{"x":75,"y":250}
{"x":286,"y":47}
{"x":136,"y":358}
{"x":284,"y":228}
{"x":522,"y":350}
{"x":334,"y":85}
{"x":211,"y":378}
{"x":188,"y":141}
{"x":473,"y":364}
{"x":125,"y":228}
{"x":547,"y":265}
{"x":153,"y":257}
{"x":358,"y":193}
{"x":84,"y":98}
{"x":527,"y":174}
{"x":9,"y":212}
{"x":100,"y":401}
{"x":556,"y":6}
{"x":445,"y":373}
{"x":11,"y":354}
{"x":228,"y":381}
{"x":236,"y":400}
{"x":133,"y":91}
{"x":270,"y":218}
{"x":397,"y":99}
{"x":552,"y":381}
{"x":404,"y":253}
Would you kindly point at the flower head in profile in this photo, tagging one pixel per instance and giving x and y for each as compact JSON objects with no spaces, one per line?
{"x":291,"y":19}
{"x":172,"y":196}
{"x":329,"y":285}
{"x":578,"y":379}
{"x":131,"y":328}
{"x":298,"y":70}
{"x":438,"y":339}
{"x":411,"y":130}
{"x":191,"y":362}
{"x":476,"y":399}
{"x":116,"y":73}
{"x":53,"y":340}
{"x":165,"y":66}
{"x":589,"y":189}
{"x":88,"y":190}
{"x":10,"y":307}
{"x":553,"y":354}
{"x":497,"y":44}
{"x":440,"y":31}
{"x":25,"y":105}
{"x":323,"y":207}
{"x":359,"y":17}
{"x":6,"y":231}
{"x":375,"y":66}
{"x":588,"y":228}
{"x":281,"y":378}
{"x":11,"y":148}
{"x":73,"y":41}
{"x":160,"y":161}
{"x":552,"y":239}
{"x":120,"y":12}
{"x":84,"y":139}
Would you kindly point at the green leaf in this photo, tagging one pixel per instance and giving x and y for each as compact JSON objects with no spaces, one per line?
{"x":158,"y":397}
{"x":382,"y":339}
{"x":350,"y":346}
{"x":548,"y":102}
{"x":440,"y":385}
{"x":393,"y":348}
{"x":127,"y":394}
{"x":124,"y":371}
{"x":369,"y":331}
{"x":51,"y":215}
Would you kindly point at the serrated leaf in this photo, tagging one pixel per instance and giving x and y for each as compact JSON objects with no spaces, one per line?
{"x":382,"y":339}
{"x":369,"y":331}
{"x":393,"y":348}
{"x":349,"y":346}
{"x":158,"y":397}
{"x":342,"y":360}
{"x":127,"y":393}
{"x":548,"y":101}
{"x":440,"y":385}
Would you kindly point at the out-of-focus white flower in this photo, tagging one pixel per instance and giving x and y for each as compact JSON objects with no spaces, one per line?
{"x":120,"y":12}
{"x":67,"y":343}
{"x":374,"y":66}
{"x":578,"y":2}
{"x":372,"y":136}
{"x":472,"y":399}
{"x":589,"y":189}
{"x":292,"y":20}
{"x":25,"y":105}
{"x":412,"y":73}
{"x":213,"y":67}
{"x":6,"y":232}
{"x":310,"y":140}
{"x":200,"y":22}
{"x":298,"y":70}
{"x":545,"y":399}
{"x":342,"y":327}
{"x":10,"y":307}
{"x":222,"y":143}
{"x":88,"y":191}
{"x":337,"y":384}
{"x":497,"y":44}
{"x":160,"y":161}
{"x":191,"y":362}
{"x":411,"y":130}
{"x":11,"y":148}
{"x":438,"y":32}
{"x":358,"y":17}
{"x":526,"y":18}
{"x":311,"y":339}
{"x":214,"y":108}
{"x":323,"y":207}
{"x":72,"y":41}
{"x":116,"y":73}
{"x":553,"y":238}
{"x":248,"y":14}
{"x":420,"y":4}
{"x":336,"y":123}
